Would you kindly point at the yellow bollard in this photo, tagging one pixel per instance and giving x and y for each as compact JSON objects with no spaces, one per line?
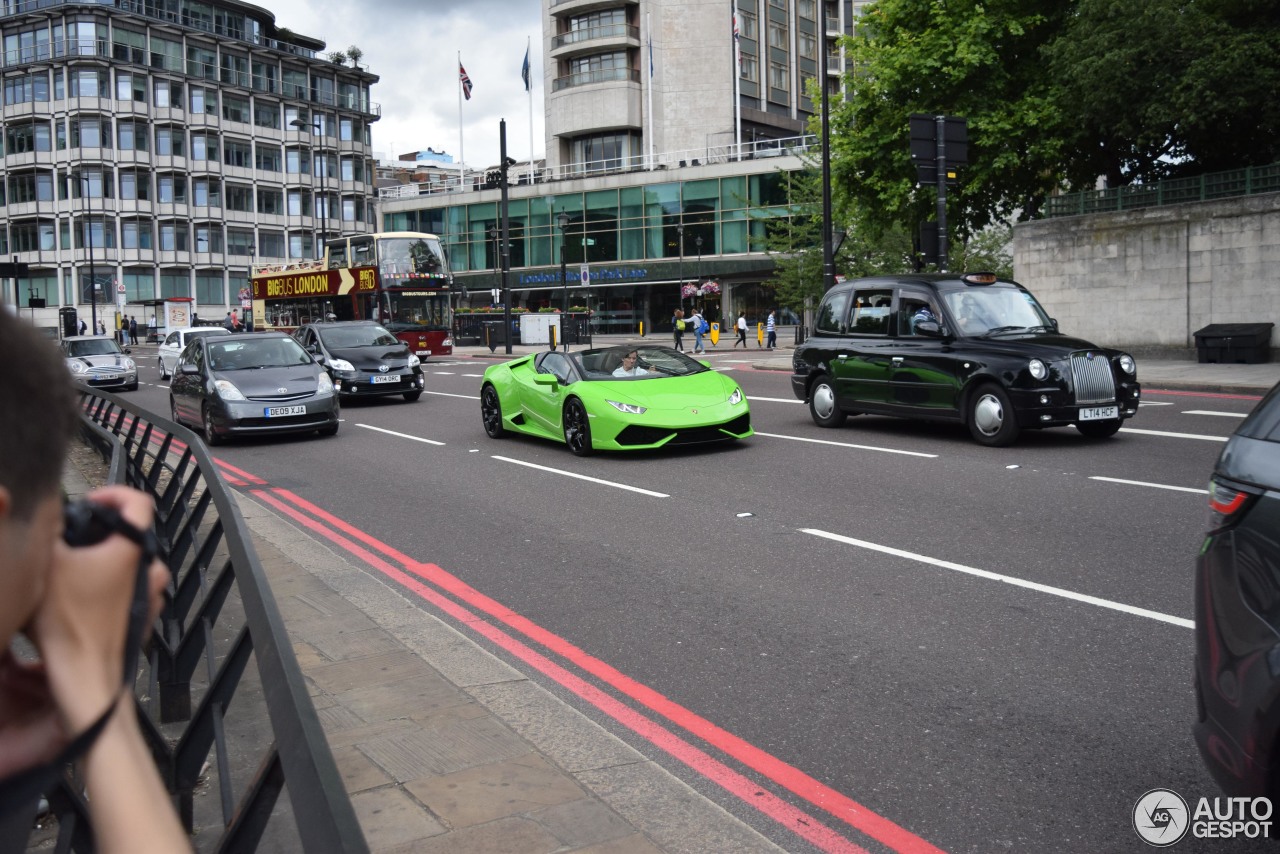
{"x":642,"y":329}
{"x":714,"y":335}
{"x":759,"y":335}
{"x":552,"y":330}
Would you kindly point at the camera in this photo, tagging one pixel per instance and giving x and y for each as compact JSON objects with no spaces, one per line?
{"x":87,"y":524}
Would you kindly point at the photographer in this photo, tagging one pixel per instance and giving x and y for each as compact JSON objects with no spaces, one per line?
{"x":73,"y":604}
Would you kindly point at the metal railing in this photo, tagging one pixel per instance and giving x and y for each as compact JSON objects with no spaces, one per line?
{"x":1201,"y":188}
{"x":227,"y":738}
{"x":448,"y":180}
{"x":601,"y":31}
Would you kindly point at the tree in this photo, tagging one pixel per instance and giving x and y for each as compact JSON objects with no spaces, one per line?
{"x":356,"y":54}
{"x":338,"y":57}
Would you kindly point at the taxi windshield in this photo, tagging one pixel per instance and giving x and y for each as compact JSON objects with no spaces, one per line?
{"x":343,"y":337}
{"x":994,"y":310}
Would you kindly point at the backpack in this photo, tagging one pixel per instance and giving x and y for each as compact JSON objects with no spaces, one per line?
{"x":680,"y":324}
{"x":703,"y":326}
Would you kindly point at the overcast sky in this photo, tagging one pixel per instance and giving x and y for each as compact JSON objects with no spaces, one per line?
{"x":413,"y":46}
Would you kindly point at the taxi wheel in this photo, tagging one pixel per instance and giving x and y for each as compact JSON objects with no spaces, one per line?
{"x":991,"y":417}
{"x":206,"y":422}
{"x":822,"y":403}
{"x":491,"y":412}
{"x":1099,"y":429}
{"x":577,"y":430}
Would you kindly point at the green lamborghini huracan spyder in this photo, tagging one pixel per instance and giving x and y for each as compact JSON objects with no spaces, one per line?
{"x":614,"y":399}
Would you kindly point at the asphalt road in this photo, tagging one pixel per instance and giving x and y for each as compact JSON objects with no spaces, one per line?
{"x":987,"y":649}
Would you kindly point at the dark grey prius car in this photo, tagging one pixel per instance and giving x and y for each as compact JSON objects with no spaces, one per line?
{"x":1237,"y":667}
{"x":251,"y":385}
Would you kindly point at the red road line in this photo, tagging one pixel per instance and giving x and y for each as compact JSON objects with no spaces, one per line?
{"x":774,"y":807}
{"x":787,"y":776}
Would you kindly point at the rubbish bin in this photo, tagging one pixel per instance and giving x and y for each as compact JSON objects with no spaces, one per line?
{"x":1247,"y":343}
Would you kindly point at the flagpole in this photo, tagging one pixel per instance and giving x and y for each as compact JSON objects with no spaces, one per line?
{"x":528,"y":46}
{"x":737,"y":84}
{"x":648,"y":25}
{"x":462,"y":161}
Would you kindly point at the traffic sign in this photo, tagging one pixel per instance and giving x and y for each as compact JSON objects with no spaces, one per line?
{"x":585,"y":274}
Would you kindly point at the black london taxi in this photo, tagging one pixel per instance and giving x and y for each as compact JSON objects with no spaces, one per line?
{"x":972,"y":348}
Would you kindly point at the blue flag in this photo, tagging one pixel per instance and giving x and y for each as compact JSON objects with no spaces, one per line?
{"x":524,"y":70}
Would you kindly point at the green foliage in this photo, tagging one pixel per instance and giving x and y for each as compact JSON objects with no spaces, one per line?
{"x":795,"y":241}
{"x":1056,"y":94}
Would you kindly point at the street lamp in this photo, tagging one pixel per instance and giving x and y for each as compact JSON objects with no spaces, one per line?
{"x":313,"y":128}
{"x":562,"y":220}
{"x":697,"y":241}
{"x":86,"y":195}
{"x":680,"y":237}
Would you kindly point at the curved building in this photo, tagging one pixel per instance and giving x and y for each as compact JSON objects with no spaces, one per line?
{"x":157,"y":148}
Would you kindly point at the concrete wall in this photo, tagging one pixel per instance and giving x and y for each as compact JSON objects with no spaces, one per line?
{"x":1148,"y":279}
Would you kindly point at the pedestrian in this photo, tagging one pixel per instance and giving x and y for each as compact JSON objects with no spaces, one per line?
{"x":229,"y":323}
{"x":771,"y":332}
{"x":678,"y":324}
{"x":697,"y":324}
{"x":742,"y":331}
{"x":133,"y":329}
{"x":72,"y":605}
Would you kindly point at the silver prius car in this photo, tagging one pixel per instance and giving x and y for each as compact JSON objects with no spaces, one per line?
{"x":97,"y":361}
{"x":251,"y":384}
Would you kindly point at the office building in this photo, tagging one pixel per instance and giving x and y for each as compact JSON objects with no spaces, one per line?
{"x":158,"y":148}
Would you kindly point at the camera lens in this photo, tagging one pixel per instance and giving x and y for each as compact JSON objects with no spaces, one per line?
{"x":87,"y":524}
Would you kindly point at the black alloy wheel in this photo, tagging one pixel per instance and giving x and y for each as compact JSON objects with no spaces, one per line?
{"x":163,"y":375}
{"x":822,"y":403}
{"x":491,"y":412}
{"x":577,"y":430}
{"x":1099,"y":429}
{"x":992,"y":420}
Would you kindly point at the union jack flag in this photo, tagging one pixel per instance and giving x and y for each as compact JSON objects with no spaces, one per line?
{"x":737,"y":44}
{"x":466,"y":82}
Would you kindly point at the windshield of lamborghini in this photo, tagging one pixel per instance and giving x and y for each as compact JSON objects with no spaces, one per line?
{"x":993,"y":310}
{"x":627,"y":363}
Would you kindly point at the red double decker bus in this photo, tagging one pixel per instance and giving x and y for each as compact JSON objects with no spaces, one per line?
{"x":400,"y":279}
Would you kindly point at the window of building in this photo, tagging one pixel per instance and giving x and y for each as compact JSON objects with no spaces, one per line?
{"x":128,"y":46}
{"x":96,"y":232}
{"x":235,"y":108}
{"x":808,"y":45}
{"x":807,"y":9}
{"x":208,"y":237}
{"x":296,"y":84}
{"x":299,"y":203}
{"x":136,"y":234}
{"x":750,"y":68}
{"x":237,"y":154}
{"x":90,"y":133}
{"x":240,"y":242}
{"x":170,"y":141}
{"x":167,"y":93}
{"x":605,"y":151}
{"x":174,"y":236}
{"x":32,"y":186}
{"x":166,"y":54}
{"x":346,"y":131}
{"x":89,"y":83}
{"x":27,"y":88}
{"x":778,"y":34}
{"x":135,"y":185}
{"x":297,"y":161}
{"x":204,"y":146}
{"x":173,"y":283}
{"x":27,"y":46}
{"x":23,"y":137}
{"x":323,"y":90}
{"x":235,"y":70}
{"x":266,"y":77}
{"x":239,"y":198}
{"x":300,"y":244}
{"x":270,"y":201}
{"x":202,"y":62}
{"x":204,"y":100}
{"x":207,"y":192}
{"x":779,"y":82}
{"x":86,"y":38}
{"x":750,"y":25}
{"x":266,"y":157}
{"x":32,"y":235}
{"x":131,"y":135}
{"x":266,"y":114}
{"x":271,"y":244}
{"x":171,"y":189}
{"x":210,"y":288}
{"x":131,"y":87}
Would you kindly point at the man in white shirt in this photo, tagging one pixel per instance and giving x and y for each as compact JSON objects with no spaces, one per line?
{"x":629,"y":366}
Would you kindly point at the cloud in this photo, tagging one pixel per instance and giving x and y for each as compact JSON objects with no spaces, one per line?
{"x":413,"y":46}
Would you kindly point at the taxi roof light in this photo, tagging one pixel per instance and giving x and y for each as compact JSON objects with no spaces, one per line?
{"x":979,"y":278}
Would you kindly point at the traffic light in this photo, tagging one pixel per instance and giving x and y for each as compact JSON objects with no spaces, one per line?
{"x":926,"y":245}
{"x":924,"y":146}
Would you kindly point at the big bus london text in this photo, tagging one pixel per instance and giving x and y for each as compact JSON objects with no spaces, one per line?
{"x":399,"y":279}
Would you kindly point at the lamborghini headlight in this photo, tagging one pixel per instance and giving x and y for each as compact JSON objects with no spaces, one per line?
{"x":629,"y":408}
{"x":736,"y":397}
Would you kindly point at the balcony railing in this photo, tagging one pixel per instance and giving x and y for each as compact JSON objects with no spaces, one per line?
{"x":1212,"y":185}
{"x":603,"y":75}
{"x":606,"y":31}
